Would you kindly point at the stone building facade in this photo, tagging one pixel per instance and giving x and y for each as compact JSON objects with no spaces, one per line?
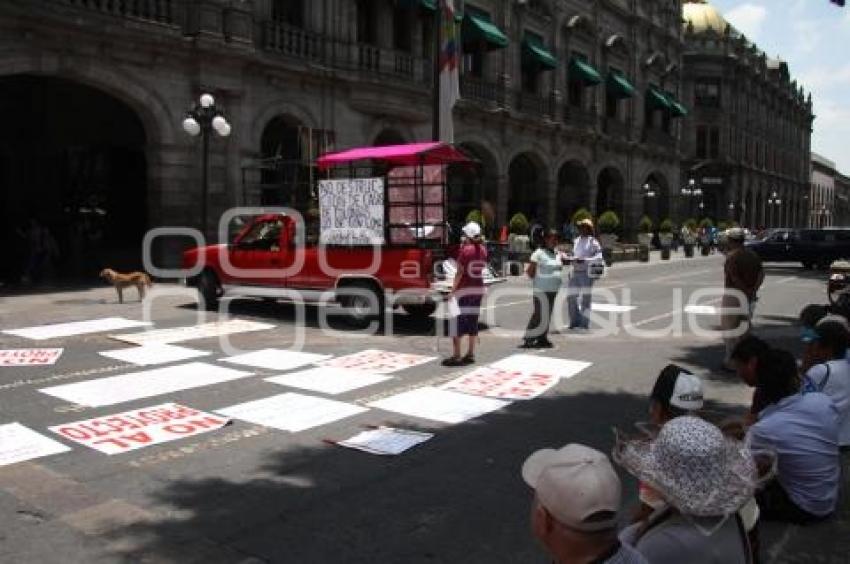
{"x":566,"y":103}
{"x":823,"y":193}
{"x":841,"y":209}
{"x":748,"y":141}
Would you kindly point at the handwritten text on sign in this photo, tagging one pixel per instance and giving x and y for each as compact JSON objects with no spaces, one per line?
{"x":29,"y":357}
{"x":352,"y":211}
{"x":377,"y":361}
{"x":131,"y":430}
{"x":502,"y":384}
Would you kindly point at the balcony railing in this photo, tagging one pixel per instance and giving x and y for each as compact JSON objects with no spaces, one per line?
{"x":534,"y":104}
{"x":480,"y":91}
{"x":159,"y":11}
{"x":292,"y":41}
{"x":580,"y":117}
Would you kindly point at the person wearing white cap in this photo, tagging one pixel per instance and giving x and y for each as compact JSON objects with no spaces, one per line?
{"x":468,"y":290}
{"x":744,"y":275}
{"x":575,"y":507}
{"x":705,"y":478}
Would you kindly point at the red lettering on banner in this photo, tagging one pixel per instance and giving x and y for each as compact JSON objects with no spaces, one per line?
{"x":179,"y":429}
{"x":74,"y":433}
{"x":114,"y":441}
{"x":205,"y":422}
{"x":140,"y":437}
{"x":90,"y":427}
{"x":122,"y":423}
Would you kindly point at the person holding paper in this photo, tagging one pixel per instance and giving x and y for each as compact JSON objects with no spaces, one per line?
{"x":467,"y":293}
{"x":544,"y":269}
{"x":586,"y":249}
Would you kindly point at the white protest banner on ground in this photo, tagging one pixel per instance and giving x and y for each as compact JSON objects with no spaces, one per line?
{"x":701,"y":309}
{"x":439,"y":405}
{"x":377,"y":361}
{"x":29,"y":357}
{"x":156,"y":353}
{"x":19,"y":443}
{"x":502,"y":384}
{"x":276,"y":359}
{"x":149,"y":383}
{"x":386,"y":440}
{"x":192,"y":332}
{"x":56,"y":330}
{"x":292,"y":412}
{"x":530,"y":363}
{"x":131,"y":430}
{"x":612,"y":308}
{"x":351,"y":211}
{"x":328,"y":380}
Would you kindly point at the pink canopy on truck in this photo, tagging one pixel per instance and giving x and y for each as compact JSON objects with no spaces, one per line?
{"x":398,"y":155}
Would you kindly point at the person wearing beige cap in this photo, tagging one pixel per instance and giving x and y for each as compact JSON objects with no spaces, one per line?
{"x":744,"y":276}
{"x":575,"y":507}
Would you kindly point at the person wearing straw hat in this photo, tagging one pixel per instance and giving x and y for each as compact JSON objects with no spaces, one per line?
{"x":576,"y":502}
{"x":468,"y":290}
{"x":744,"y":276}
{"x":705,"y":478}
{"x":585,"y":250}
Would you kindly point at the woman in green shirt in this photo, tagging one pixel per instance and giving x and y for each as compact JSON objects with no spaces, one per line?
{"x":544,"y":269}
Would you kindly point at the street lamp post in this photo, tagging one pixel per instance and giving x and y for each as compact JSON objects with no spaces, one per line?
{"x":691,"y":191}
{"x":203,"y":119}
{"x":773,"y":202}
{"x":648,"y":194}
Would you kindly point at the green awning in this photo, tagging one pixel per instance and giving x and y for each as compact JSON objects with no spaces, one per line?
{"x":429,"y":4}
{"x":619,"y":85}
{"x":478,"y":28}
{"x":677,"y":110}
{"x":657,"y":99}
{"x":534,"y":52}
{"x":584,"y":71}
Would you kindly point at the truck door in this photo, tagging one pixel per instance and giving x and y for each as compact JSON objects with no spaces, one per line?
{"x":259,"y":251}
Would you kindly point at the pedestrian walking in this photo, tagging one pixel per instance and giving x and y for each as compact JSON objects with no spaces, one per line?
{"x":586,"y":250}
{"x":468,"y":291}
{"x":545,"y":270}
{"x":744,"y":276}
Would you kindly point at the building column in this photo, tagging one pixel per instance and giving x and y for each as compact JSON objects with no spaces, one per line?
{"x":502,"y":195}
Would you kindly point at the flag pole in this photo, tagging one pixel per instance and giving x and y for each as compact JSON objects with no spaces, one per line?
{"x":437,"y":49}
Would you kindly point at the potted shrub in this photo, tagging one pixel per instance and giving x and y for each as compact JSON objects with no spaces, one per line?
{"x":644,"y":238}
{"x":607,"y":225}
{"x":580,"y":214}
{"x":518,"y":240}
{"x":706,"y":225}
{"x":665,"y":235}
{"x":475,"y":215}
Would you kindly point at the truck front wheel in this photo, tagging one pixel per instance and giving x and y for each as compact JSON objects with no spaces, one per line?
{"x":207,"y":284}
{"x":362,"y":304}
{"x":420,"y":311}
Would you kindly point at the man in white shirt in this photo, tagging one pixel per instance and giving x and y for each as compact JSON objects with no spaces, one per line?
{"x":826,"y":350}
{"x":586,"y":249}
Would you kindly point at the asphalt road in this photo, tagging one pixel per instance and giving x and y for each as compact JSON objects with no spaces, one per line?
{"x":248,"y":493}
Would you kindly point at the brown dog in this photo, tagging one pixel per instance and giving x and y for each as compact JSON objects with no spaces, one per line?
{"x":121,"y":281}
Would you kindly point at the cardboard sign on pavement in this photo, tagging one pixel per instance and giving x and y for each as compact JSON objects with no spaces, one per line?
{"x":502,"y":384}
{"x":377,"y":361}
{"x":19,"y":443}
{"x":29,"y":357}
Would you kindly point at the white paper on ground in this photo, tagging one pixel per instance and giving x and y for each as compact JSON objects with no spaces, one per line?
{"x":701,"y":309}
{"x":328,"y":380}
{"x":57,"y":330}
{"x":386,"y":440}
{"x":192,"y":332}
{"x":292,"y":412}
{"x":29,"y":357}
{"x":138,"y":385}
{"x":139,"y":428}
{"x":439,"y":405}
{"x":560,"y":367}
{"x":612,"y":308}
{"x":276,"y":359}
{"x":157,"y":353}
{"x":377,"y":361}
{"x":19,"y":443}
{"x":492,"y":382}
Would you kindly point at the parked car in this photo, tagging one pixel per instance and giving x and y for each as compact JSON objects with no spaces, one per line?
{"x":811,"y":247}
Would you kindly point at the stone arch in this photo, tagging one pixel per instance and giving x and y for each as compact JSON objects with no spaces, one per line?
{"x":474,"y":187}
{"x":527,"y":185}
{"x":285,"y":177}
{"x":291,"y":111}
{"x":574,"y":188}
{"x":610,"y":191}
{"x":389,"y":130}
{"x":389,"y":136}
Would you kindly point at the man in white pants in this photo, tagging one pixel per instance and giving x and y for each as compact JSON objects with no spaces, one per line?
{"x":586,"y":249}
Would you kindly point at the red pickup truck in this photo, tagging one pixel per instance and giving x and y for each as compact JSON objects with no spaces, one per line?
{"x":378,"y":239}
{"x":269,"y":259}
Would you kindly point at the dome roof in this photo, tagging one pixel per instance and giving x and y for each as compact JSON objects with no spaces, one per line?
{"x":703,"y":16}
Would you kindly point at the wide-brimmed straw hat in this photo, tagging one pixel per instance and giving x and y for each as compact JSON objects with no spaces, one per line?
{"x":694,"y":467}
{"x":585,"y":223}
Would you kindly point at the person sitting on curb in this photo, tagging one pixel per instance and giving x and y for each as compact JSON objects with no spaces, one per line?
{"x":802,"y":429}
{"x":677,"y":392}
{"x":576,"y":502}
{"x":705,"y":478}
{"x":746,"y":357}
{"x":826,"y":350}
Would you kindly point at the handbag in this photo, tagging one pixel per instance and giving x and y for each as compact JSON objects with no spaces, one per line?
{"x":596,"y":269}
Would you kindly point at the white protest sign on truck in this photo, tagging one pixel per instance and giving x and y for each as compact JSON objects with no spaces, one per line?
{"x":352,"y":211}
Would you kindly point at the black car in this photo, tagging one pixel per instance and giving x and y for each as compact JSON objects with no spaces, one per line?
{"x":811,"y":247}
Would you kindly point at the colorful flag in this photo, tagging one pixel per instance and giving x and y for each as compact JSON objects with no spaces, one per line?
{"x":449,"y":79}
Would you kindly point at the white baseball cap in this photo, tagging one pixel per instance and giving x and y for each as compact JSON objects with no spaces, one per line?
{"x":573,"y":484}
{"x":472,"y":230}
{"x":679,"y":388}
